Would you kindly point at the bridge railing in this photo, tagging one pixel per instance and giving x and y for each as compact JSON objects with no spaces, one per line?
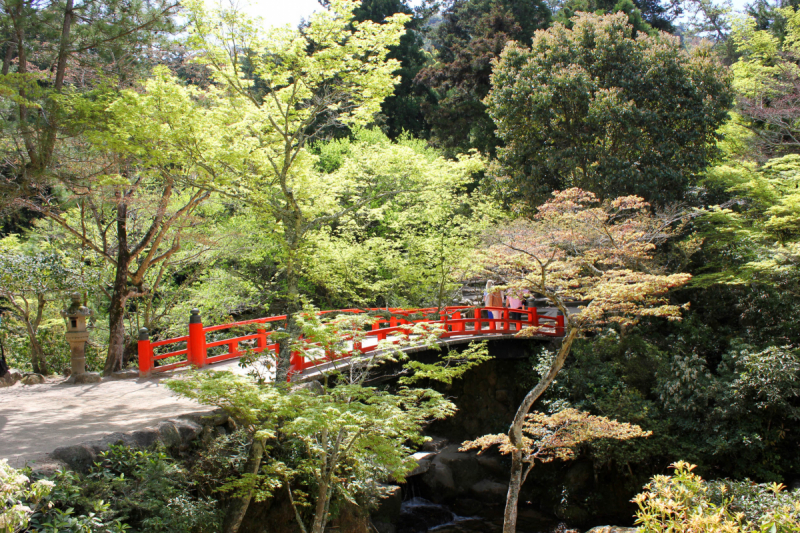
{"x":458,"y":321}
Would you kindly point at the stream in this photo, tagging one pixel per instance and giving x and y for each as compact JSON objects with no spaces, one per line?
{"x":418,"y":515}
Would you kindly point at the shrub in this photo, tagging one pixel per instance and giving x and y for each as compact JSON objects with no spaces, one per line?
{"x":685,"y":503}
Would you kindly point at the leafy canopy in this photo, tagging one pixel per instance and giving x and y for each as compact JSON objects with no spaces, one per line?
{"x":593,"y":107}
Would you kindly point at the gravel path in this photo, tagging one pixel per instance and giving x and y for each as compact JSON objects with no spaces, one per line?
{"x":37,"y":419}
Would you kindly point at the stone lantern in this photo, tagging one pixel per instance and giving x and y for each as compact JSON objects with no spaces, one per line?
{"x":77,"y":336}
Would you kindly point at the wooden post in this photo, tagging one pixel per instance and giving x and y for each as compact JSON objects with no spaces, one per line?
{"x":261,"y":340}
{"x":197,"y":341}
{"x":145,"y":354}
{"x":560,"y":325}
{"x":459,"y":326}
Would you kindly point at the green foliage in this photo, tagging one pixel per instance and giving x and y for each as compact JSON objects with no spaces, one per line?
{"x":469,"y":36}
{"x":346,"y":439}
{"x":592,"y":107}
{"x":450,"y":366}
{"x":758,"y":237}
{"x":684,"y":502}
{"x":15,"y":492}
{"x":140,"y":490}
{"x":408,"y":249}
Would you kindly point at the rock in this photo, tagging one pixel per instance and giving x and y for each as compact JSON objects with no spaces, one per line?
{"x":436,"y":444}
{"x":168,"y":434}
{"x":388,"y":508}
{"x":79,"y":457}
{"x":613,"y":529}
{"x":32,"y":379}
{"x":490,"y":491}
{"x":439,"y":479}
{"x":144,"y":438}
{"x":80,"y":379}
{"x":188,"y":430}
{"x":314,"y":387}
{"x":125,"y":374}
{"x":11,"y":378}
{"x":102,"y":445}
{"x":493,"y":464}
{"x":423,"y":462}
{"x":465,"y":468}
{"x":48,"y":466}
{"x":418,"y":514}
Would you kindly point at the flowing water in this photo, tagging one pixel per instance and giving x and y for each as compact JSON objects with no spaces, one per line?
{"x":418,"y":515}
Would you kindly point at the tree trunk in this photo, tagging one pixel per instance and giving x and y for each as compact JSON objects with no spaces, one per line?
{"x":239,"y":504}
{"x":37,"y":353}
{"x":292,"y":305}
{"x":515,"y":432}
{"x":116,"y":323}
{"x":512,"y":498}
{"x":321,"y":509}
{"x":119,"y":296}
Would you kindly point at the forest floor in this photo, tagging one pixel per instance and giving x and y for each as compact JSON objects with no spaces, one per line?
{"x":37,"y":419}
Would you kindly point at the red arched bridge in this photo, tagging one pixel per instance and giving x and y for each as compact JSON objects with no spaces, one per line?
{"x":461,"y":322}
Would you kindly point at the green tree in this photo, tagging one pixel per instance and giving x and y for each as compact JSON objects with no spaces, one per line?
{"x":338,"y":441}
{"x":334,"y":72}
{"x":469,"y":36}
{"x":592,"y":107}
{"x":54,"y":48}
{"x":408,"y":250}
{"x":130,"y":199}
{"x":29,"y":279}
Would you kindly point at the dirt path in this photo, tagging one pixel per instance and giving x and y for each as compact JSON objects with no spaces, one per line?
{"x":37,"y":419}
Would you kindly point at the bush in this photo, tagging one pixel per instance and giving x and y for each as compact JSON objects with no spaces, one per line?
{"x":684,"y":502}
{"x":127,"y":489}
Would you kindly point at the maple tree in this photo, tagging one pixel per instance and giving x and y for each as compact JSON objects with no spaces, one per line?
{"x":592,"y":261}
{"x":548,"y":438}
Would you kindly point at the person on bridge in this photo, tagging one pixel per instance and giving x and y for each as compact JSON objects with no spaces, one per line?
{"x":516,"y":300}
{"x":493,"y":298}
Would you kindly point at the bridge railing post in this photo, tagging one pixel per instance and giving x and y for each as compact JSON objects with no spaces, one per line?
{"x":261,"y":340}
{"x":560,"y":325}
{"x":459,"y":326}
{"x":145,"y":354}
{"x":197,"y":352}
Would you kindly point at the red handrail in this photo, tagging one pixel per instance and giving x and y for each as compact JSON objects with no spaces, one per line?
{"x":453,"y":319}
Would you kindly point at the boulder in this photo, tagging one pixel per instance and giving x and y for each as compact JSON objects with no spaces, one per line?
{"x":168,"y":434}
{"x":144,"y":438}
{"x":188,"y":430}
{"x":388,"y":508}
{"x":102,"y":445}
{"x":32,"y":379}
{"x":79,"y":457}
{"x":435,"y":444}
{"x":465,"y":468}
{"x":423,"y":460}
{"x":11,"y":378}
{"x":489,"y":491}
{"x":439,"y":480}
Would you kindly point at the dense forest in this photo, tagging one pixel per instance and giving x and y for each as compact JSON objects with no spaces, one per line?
{"x":639,"y":157}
